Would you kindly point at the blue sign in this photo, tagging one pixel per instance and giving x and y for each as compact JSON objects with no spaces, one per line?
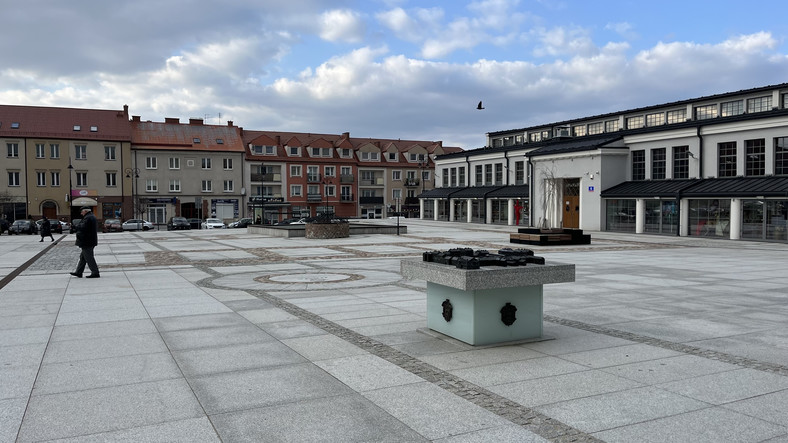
{"x":590,"y":189}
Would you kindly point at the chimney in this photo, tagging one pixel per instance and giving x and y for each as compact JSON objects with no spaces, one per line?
{"x":345,"y":135}
{"x":135,"y":118}
{"x":172,"y":120}
{"x":230,"y":123}
{"x":195,"y":121}
{"x":126,"y":111}
{"x":278,"y":140}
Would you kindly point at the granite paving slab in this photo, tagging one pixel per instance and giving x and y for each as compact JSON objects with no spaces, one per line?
{"x":231,"y":358}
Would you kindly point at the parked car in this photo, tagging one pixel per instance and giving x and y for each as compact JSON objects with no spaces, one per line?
{"x":136,"y":224}
{"x":24,"y":227}
{"x":286,"y":221}
{"x":111,"y":225}
{"x":65,"y":226}
{"x":213,"y":223}
{"x":74,"y":223}
{"x":241,"y":223}
{"x":54,"y":225}
{"x":178,"y":223}
{"x":4,"y":226}
{"x":194,"y":223}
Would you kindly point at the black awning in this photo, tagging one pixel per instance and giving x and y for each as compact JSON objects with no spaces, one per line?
{"x":740,"y":187}
{"x":439,"y":192}
{"x":475,"y":191}
{"x":648,"y":189}
{"x":514,"y":191}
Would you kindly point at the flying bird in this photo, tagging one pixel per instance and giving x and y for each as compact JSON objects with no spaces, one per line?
{"x":479,"y":106}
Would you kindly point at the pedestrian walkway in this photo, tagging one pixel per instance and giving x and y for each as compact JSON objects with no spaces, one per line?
{"x":222,"y":335}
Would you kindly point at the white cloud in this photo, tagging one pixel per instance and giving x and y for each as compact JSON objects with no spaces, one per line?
{"x":623,"y":29}
{"x":341,"y":25}
{"x":561,"y":41}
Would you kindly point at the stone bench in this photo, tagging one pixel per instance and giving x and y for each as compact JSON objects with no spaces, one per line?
{"x":544,"y":237}
{"x":488,"y":305}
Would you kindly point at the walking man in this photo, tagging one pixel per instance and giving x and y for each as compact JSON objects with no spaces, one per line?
{"x":87,"y":239}
{"x":46,"y":229}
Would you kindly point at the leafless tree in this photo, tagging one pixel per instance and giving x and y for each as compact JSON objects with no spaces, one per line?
{"x":549,"y":193}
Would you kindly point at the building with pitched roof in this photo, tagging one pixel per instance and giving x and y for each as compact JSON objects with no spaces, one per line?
{"x":713,"y":166}
{"x":60,"y":159}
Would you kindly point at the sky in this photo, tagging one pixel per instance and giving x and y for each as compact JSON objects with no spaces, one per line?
{"x":385,"y":68}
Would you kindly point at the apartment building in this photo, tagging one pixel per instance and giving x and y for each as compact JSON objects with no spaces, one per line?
{"x":713,"y":166}
{"x":60,"y":159}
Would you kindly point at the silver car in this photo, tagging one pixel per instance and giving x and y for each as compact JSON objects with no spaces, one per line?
{"x":213,"y":223}
{"x":136,"y":224}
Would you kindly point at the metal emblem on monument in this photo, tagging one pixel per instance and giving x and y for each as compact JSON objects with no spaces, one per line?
{"x":507,"y":314}
{"x":447,"y":310}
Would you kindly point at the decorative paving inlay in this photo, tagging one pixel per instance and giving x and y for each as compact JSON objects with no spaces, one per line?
{"x":309,"y":278}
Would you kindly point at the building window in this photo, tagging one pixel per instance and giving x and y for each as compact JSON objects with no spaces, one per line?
{"x":453,"y":177}
{"x":658,"y":164}
{"x":313,"y":173}
{"x":392,"y":156}
{"x":370,"y":156}
{"x":499,"y":173}
{"x":227,"y":164}
{"x":728,"y":109}
{"x":207,"y":186}
{"x":639,"y":165}
{"x":293,"y":151}
{"x":295,"y":190}
{"x":13,"y":178}
{"x":151,"y":185}
{"x":535,"y":137}
{"x":655,"y":119}
{"x":755,"y":164}
{"x":13,"y":150}
{"x":781,"y":156}
{"x":705,"y":112}
{"x":150,"y":163}
{"x":55,"y":178}
{"x":579,"y":131}
{"x":445,"y":178}
{"x":228,"y":186}
{"x":40,"y":150}
{"x":312,"y":190}
{"x":112,"y":179}
{"x":295,"y":170}
{"x":346,"y":153}
{"x":396,"y":175}
{"x":727,"y":159}
{"x":346,"y":193}
{"x":206,"y":163}
{"x":595,"y":128}
{"x":175,"y":186}
{"x":54,"y":150}
{"x":635,"y":122}
{"x":330,"y":190}
{"x":330,"y":171}
{"x":681,"y":162}
{"x":460,"y":176}
{"x":81,"y":152}
{"x":677,"y":116}
{"x":519,"y":173}
{"x":488,"y":174}
{"x":611,"y":126}
{"x":82,"y":179}
{"x":109,"y":153}
{"x":479,"y":175}
{"x":41,"y":178}
{"x":175,"y":163}
{"x":396,"y":194}
{"x":759,"y":104}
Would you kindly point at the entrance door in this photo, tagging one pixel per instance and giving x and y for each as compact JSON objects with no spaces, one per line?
{"x":571,"y":203}
{"x":49,"y":210}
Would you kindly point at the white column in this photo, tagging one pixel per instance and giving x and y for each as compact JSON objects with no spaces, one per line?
{"x":510,"y":212}
{"x":488,"y":211}
{"x":469,"y":210}
{"x":451,"y":209}
{"x":684,"y":217}
{"x":421,"y":209}
{"x":640,"y":216}
{"x":435,"y":206}
{"x":736,"y":214}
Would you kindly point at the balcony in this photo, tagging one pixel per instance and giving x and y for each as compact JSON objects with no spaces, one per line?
{"x":370,"y":200}
{"x":375,"y":181}
{"x":314,"y":198}
{"x":346,"y":178}
{"x":270,"y":177}
{"x":412,"y":182}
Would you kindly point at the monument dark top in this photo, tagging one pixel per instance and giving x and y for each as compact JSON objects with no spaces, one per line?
{"x":467,"y":258}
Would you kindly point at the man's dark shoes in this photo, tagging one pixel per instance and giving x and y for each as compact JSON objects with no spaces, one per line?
{"x":93,"y":276}
{"x":76,"y":275}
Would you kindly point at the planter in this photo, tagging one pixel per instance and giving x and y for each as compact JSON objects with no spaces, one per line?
{"x":327,"y":230}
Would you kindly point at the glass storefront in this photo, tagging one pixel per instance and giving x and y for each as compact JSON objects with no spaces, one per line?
{"x":479,"y":214}
{"x":710,"y":218}
{"x":429,"y":209}
{"x":662,"y":216}
{"x":620,"y":215}
{"x":460,"y":210}
{"x":764,"y":220}
{"x":443,"y":209}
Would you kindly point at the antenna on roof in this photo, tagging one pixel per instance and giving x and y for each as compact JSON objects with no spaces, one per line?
{"x":218,"y":117}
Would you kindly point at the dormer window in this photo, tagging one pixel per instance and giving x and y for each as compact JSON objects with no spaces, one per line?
{"x":392,"y":156}
{"x":219,"y":141}
{"x":196,"y":140}
{"x":94,"y":129}
{"x":77,"y":127}
{"x":15,"y":125}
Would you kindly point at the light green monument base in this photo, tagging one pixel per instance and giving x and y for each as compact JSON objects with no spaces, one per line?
{"x":476,"y":314}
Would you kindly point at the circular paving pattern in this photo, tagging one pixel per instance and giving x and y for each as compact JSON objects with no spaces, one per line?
{"x":307,"y":280}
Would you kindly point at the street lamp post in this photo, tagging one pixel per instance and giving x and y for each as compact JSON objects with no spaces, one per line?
{"x":135,"y":173}
{"x":70,"y":192}
{"x":326,"y":181}
{"x":262,"y":193}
